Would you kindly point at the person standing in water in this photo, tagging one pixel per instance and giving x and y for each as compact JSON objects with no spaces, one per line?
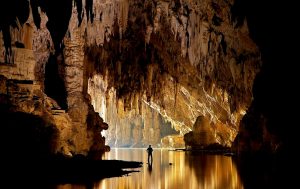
{"x":150,"y":150}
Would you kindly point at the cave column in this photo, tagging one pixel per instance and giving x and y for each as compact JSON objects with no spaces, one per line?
{"x":74,"y":81}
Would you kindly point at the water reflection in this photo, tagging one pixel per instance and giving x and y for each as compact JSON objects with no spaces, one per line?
{"x":172,"y":169}
{"x":150,"y":167}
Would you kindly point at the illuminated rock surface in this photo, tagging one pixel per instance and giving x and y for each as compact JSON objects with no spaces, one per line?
{"x":202,"y":135}
{"x":184,"y":60}
{"x":149,"y":68}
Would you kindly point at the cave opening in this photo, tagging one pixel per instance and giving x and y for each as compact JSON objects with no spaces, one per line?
{"x":54,"y":82}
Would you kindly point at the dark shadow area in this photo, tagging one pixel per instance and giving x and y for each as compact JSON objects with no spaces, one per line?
{"x":54,"y":83}
{"x":89,"y":10}
{"x":10,"y":12}
{"x":28,"y":159}
{"x":47,"y":173}
{"x":268,"y":138}
{"x":272,"y":27}
{"x":266,"y":171}
{"x":26,"y":137}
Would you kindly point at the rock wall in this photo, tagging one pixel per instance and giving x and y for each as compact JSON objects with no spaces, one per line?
{"x":181,"y":59}
{"x":18,"y":99}
{"x":21,"y":66}
{"x":28,"y":50}
{"x":202,"y":135}
{"x":267,"y":126}
{"x":78,"y":128}
{"x":132,"y":128}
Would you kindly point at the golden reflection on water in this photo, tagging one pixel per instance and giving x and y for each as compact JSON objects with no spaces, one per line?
{"x":174,"y":169}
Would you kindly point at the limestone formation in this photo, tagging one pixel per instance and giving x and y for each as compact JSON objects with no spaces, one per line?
{"x":202,"y":135}
{"x":189,"y":60}
{"x":147,"y":67}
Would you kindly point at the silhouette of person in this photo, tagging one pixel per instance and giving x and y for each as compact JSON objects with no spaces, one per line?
{"x":150,"y":150}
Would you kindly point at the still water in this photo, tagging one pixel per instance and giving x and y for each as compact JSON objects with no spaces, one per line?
{"x":171,"y":169}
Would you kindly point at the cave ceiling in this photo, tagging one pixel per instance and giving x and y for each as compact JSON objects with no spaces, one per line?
{"x":182,"y":59}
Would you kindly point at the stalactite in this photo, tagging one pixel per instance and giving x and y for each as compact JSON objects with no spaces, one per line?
{"x":137,"y":49}
{"x":123,"y":17}
{"x":175,"y":95}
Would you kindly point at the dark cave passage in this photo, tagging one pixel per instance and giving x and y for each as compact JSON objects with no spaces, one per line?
{"x":273,"y":87}
{"x":54,"y":83}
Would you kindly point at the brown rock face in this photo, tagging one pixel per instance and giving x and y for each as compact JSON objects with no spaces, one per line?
{"x":29,"y":110}
{"x":202,"y":135}
{"x":184,"y":59}
{"x":137,"y":127}
{"x":67,"y":136}
{"x":142,"y":62}
{"x":77,"y":126}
